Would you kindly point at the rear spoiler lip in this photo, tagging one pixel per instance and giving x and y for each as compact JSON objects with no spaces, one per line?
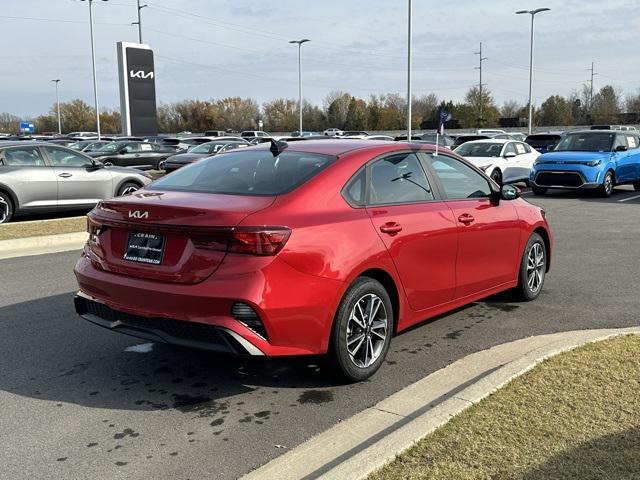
{"x":189,"y":230}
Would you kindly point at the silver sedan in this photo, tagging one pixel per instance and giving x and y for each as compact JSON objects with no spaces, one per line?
{"x":40,"y":177}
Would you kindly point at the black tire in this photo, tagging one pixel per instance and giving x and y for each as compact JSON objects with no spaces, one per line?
{"x":496,"y":176}
{"x":6,"y":208}
{"x":160,"y":164}
{"x":127,"y":188}
{"x":345,"y":329}
{"x":636,"y":186}
{"x":525,"y":291}
{"x":538,"y":190}
{"x":606,"y":189}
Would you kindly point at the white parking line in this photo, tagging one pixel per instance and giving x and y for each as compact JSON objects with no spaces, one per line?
{"x":629,"y":198}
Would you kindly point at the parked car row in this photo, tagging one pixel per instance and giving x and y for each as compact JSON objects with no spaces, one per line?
{"x":38,"y":177}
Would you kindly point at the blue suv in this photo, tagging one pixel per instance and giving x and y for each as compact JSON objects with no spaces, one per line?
{"x":596,"y":160}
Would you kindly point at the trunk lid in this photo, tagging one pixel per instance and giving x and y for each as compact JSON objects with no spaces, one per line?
{"x":176,"y":221}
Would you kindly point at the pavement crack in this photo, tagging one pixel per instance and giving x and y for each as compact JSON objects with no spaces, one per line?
{"x":387,"y":411}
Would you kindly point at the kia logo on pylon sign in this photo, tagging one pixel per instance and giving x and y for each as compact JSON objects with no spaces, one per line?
{"x":138,"y":214}
{"x":140,"y":74}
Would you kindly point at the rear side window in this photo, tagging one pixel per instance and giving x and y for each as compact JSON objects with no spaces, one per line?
{"x":398,"y":179}
{"x":255,"y":172}
{"x":632,"y":141}
{"x":23,"y":157}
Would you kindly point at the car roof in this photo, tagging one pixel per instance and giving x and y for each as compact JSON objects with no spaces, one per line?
{"x":492,"y":140}
{"x":343,"y":146}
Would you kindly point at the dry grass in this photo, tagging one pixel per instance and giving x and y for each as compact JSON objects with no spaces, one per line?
{"x":38,"y":228}
{"x":575,"y":416}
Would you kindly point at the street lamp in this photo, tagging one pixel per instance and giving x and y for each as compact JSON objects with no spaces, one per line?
{"x":139,"y":22}
{"x":93,"y":61}
{"x":300,"y":42}
{"x":533,"y":14}
{"x":56,"y":81}
{"x":409,"y":73}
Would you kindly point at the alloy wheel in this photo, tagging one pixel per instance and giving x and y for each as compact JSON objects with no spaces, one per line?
{"x":535,"y":267}
{"x":128,"y":190}
{"x":367,"y":330}
{"x":4,"y":210}
{"x":608,"y":184}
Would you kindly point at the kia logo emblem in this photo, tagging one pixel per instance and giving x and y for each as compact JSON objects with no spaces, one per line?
{"x":140,"y":74}
{"x":138,"y":214}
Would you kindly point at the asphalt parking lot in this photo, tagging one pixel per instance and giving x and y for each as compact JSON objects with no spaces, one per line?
{"x":80,"y":402}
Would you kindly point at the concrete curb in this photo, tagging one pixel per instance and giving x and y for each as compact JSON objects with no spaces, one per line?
{"x":22,"y":247}
{"x":370,"y":439}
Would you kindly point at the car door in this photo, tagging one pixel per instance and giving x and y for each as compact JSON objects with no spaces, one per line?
{"x":523,"y":162}
{"x":417,"y":228}
{"x":79,"y":182}
{"x":624,"y":164}
{"x":24,"y":170}
{"x":488,"y":230}
{"x":633,"y":145}
{"x":509,"y":162}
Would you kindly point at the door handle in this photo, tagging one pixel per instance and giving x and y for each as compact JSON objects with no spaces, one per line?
{"x":391,"y":228}
{"x":466,"y":218}
{"x":65,"y":175}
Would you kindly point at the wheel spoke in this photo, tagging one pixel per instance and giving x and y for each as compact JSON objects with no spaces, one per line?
{"x":354,"y":317}
{"x":358,"y":346}
{"x":375,"y":306}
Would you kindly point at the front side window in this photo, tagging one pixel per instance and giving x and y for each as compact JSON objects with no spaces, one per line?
{"x":398,"y":179}
{"x":23,"y":157}
{"x":242,"y":172}
{"x":510,"y":148}
{"x":458,"y":180}
{"x":64,"y":158}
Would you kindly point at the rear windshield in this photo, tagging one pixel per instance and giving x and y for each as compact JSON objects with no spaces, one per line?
{"x":539,"y":141}
{"x":255,"y":172}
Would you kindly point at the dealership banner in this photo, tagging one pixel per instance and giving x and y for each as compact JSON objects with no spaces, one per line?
{"x":137,"y":89}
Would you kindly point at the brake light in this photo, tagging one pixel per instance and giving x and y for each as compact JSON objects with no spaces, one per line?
{"x":94,"y":228}
{"x":245,"y":240}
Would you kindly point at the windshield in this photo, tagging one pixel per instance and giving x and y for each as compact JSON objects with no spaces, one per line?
{"x":246,"y":173}
{"x":586,"y":142}
{"x":206,"y":148}
{"x":473,"y":149}
{"x":543,"y":141}
{"x":111,"y":147}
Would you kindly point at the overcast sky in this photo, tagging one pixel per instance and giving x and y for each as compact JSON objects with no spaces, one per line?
{"x":215,"y":48}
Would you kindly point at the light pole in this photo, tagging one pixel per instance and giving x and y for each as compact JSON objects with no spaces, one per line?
{"x":93,"y":62}
{"x":56,"y":81}
{"x":300,"y":42}
{"x":409,"y":73}
{"x":533,"y":14}
{"x":139,"y":22}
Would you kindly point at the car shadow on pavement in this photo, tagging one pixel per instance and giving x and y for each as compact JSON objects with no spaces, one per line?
{"x":609,"y":457}
{"x":49,"y":353}
{"x":590,"y":196}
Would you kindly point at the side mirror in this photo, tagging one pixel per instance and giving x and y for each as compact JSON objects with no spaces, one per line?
{"x":509,"y":155}
{"x":122,"y":151}
{"x":621,"y":148}
{"x":509,"y":192}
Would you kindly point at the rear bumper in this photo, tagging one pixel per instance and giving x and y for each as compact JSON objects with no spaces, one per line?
{"x":296,"y":309}
{"x":172,"y":167}
{"x":164,"y":330}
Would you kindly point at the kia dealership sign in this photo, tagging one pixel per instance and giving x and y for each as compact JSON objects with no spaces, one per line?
{"x":137,"y":89}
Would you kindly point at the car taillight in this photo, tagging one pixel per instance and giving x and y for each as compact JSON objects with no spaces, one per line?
{"x":246,"y":240}
{"x":94,"y":228}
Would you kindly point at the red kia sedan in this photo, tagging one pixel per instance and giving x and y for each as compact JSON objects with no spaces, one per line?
{"x":309,"y":248}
